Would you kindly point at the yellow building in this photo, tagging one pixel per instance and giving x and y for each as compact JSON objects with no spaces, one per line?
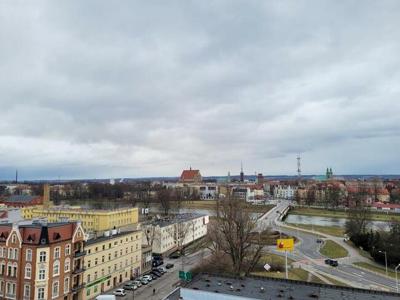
{"x":111,"y":260}
{"x":91,"y":220}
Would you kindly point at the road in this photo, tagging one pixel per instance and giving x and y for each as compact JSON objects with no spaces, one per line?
{"x":307,"y":255}
{"x":167,"y":283}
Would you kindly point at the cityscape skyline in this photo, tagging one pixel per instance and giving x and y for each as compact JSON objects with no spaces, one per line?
{"x":146,"y":89}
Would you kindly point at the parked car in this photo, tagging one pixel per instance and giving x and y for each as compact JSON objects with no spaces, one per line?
{"x":155,"y":273}
{"x":162,"y":270}
{"x":144,"y":281}
{"x":119,"y":292}
{"x":331,"y":262}
{"x":130,"y":287}
{"x":319,"y":241}
{"x":148,"y":277}
{"x":137,"y":283}
{"x":169,"y":266}
{"x":175,"y":255}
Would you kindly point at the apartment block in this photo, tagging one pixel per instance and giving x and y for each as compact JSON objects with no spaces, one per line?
{"x":92,"y":220}
{"x":38,"y":261}
{"x":111,"y":260}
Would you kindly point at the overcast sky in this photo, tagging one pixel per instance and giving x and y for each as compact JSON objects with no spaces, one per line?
{"x":101,"y":89}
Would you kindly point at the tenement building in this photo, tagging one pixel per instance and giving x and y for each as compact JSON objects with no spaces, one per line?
{"x":41,"y":261}
{"x":111,"y":260}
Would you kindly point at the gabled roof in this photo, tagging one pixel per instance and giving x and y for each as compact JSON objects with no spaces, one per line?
{"x":190,"y":174}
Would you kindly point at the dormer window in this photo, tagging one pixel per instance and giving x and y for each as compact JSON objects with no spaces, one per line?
{"x":13,"y":238}
{"x":56,"y":236}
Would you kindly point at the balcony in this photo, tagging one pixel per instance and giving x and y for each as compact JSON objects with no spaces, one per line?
{"x":78,"y":287}
{"x":79,"y":253}
{"x":78,"y":270}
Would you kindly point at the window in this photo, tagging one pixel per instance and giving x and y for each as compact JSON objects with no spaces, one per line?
{"x":15,"y":267}
{"x":42,"y":256}
{"x":67,"y":265}
{"x":9,"y":269}
{"x":10,"y":253}
{"x":57,"y":253}
{"x":68,"y":249}
{"x":28,"y":256}
{"x":56,"y":289}
{"x":42,"y":274}
{"x":88,"y":278}
{"x":56,"y":268}
{"x":28,"y":271}
{"x":66,"y":285}
{"x":15,"y":253}
{"x":27,"y":290}
{"x":10,"y":288}
{"x":14,"y":238}
{"x":41,"y":293}
{"x":95,"y":261}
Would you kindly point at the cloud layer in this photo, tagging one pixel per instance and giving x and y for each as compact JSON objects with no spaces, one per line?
{"x":129,"y":89}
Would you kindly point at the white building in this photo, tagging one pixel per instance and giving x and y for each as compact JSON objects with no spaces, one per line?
{"x":207,"y":192}
{"x":284,"y":191}
{"x":169,"y":234}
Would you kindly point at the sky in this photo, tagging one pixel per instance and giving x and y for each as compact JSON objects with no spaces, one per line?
{"x":110,"y":89}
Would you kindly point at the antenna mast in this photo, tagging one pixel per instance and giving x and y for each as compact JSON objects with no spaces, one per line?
{"x":298,"y":166}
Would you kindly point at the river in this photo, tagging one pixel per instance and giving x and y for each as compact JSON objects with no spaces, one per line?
{"x":327,"y":221}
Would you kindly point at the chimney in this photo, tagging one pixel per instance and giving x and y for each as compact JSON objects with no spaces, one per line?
{"x":46,"y":195}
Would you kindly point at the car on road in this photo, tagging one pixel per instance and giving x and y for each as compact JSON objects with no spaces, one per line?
{"x":119,"y":292}
{"x":319,"y":241}
{"x":162,"y":270}
{"x":175,"y":255}
{"x":331,"y":262}
{"x":169,"y":266}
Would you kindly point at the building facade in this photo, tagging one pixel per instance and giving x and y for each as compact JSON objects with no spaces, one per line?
{"x":91,"y":220}
{"x":111,"y":260}
{"x":168,"y":235}
{"x":37,"y":261}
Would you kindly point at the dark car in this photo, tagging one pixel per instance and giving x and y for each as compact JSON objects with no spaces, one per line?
{"x":331,"y":262}
{"x":155,"y":273}
{"x":319,"y":241}
{"x":169,"y":266}
{"x":175,"y":255}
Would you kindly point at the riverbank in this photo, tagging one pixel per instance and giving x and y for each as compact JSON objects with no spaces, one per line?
{"x":342,"y":214}
{"x":331,"y":230}
{"x":211,"y":204}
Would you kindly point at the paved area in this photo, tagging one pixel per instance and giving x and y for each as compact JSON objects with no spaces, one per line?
{"x":307,"y":253}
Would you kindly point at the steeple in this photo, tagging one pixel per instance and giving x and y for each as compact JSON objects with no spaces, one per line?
{"x":241,"y":172}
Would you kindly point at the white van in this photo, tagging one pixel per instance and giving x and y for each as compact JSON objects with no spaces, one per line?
{"x":106,"y":297}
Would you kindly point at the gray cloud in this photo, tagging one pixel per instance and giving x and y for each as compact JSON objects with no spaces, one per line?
{"x":94,"y":89}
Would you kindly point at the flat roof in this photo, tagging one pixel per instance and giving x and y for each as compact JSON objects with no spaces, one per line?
{"x":205,"y":286}
{"x":110,"y":237}
{"x":177,"y":218}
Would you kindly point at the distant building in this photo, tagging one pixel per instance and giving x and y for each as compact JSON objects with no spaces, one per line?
{"x":22,"y":200}
{"x":284,"y":191}
{"x":40,"y":261}
{"x":190,"y":176}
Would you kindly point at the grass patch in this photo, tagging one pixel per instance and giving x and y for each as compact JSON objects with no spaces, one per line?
{"x":294,"y":274}
{"x":333,"y":250}
{"x":377,"y":269}
{"x":333,"y":213}
{"x":331,"y":230}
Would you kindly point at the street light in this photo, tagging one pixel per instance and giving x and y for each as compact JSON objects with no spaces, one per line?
{"x":385,"y":260}
{"x":397,"y":281}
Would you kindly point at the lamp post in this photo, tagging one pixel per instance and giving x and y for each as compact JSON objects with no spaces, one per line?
{"x":397,"y":281}
{"x":385,"y":260}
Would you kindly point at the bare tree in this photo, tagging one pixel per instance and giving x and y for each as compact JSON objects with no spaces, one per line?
{"x":232,"y":233}
{"x":164,"y":198}
{"x":149,"y":231}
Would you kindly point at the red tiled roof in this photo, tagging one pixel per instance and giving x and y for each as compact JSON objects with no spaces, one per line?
{"x":189,"y":174}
